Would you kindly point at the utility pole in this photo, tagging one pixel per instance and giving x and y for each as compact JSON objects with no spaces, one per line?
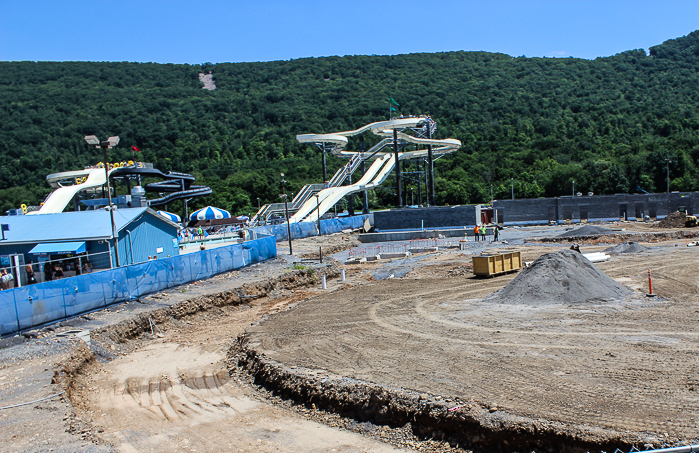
{"x":512,"y":180}
{"x":286,"y":211}
{"x":105,"y":145}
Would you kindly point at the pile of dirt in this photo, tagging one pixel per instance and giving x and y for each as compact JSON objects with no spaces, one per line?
{"x":587,"y":230}
{"x":674,"y":220}
{"x":460,"y":271}
{"x":626,"y":247}
{"x":563,"y":277}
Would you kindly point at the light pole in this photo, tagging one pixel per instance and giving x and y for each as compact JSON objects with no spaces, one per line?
{"x":318,"y":211}
{"x":573,"y":188}
{"x":512,"y":180}
{"x":412,"y":196}
{"x":667,"y":170}
{"x":258,"y":205}
{"x":105,"y":145}
{"x":491,"y":195}
{"x":286,"y":210}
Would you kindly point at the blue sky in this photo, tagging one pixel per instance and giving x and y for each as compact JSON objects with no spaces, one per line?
{"x":216,"y":31}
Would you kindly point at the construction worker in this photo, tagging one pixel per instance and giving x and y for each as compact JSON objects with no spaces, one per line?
{"x":475,"y":233}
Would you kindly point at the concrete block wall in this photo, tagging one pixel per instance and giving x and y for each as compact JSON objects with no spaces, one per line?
{"x":531,"y":211}
{"x":432,"y":217}
{"x":540,"y":211}
{"x":598,"y":207}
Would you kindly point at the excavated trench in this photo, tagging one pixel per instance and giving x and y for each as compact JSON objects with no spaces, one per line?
{"x":463,"y":424}
{"x":467,"y":425}
{"x":105,"y":340}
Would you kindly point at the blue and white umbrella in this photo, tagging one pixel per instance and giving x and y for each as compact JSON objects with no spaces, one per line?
{"x":209,"y":213}
{"x":169,"y":215}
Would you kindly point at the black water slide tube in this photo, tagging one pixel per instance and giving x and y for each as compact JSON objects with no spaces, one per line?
{"x":178,"y":184}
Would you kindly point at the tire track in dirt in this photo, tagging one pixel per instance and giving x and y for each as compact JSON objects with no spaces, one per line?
{"x":599,"y":365}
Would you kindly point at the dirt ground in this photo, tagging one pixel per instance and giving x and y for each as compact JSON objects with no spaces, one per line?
{"x":622,"y":372}
{"x":627,"y":369}
{"x":174,"y":393}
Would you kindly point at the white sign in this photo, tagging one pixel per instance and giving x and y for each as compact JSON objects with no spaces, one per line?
{"x":159,"y":250}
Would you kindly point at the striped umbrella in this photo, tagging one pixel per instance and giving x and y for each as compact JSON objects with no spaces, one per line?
{"x":169,"y":215}
{"x":210,"y":212}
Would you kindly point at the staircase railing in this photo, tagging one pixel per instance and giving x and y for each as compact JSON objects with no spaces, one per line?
{"x":270,"y":209}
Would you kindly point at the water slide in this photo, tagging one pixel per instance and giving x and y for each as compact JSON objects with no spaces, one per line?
{"x":59,"y":198}
{"x":176,"y":192}
{"x":312,"y":203}
{"x":379,"y":170}
{"x":177,"y":186}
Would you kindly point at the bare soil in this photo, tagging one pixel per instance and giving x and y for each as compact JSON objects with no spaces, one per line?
{"x":611,"y":374}
{"x":264,"y":360}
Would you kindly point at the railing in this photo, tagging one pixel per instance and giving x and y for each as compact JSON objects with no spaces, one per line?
{"x":372,"y":250}
{"x":270,"y":209}
{"x":434,"y":242}
{"x":305,"y":193}
{"x":346,"y":170}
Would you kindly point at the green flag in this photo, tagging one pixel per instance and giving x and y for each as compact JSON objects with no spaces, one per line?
{"x":392,"y":109}
{"x":393,"y":101}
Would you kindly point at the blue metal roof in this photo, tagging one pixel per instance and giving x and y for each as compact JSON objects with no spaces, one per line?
{"x":71,"y":226}
{"x":58,"y":248}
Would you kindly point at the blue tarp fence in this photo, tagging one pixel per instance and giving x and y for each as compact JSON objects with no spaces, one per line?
{"x":306,"y":229}
{"x":30,"y":306}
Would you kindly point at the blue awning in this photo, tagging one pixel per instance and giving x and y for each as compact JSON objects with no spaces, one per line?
{"x":58,"y":248}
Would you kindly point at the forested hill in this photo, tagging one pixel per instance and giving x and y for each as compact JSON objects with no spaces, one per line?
{"x":609,"y":124}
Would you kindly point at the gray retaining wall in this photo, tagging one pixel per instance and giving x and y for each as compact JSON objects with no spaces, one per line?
{"x":541,"y":211}
{"x":428,"y":218}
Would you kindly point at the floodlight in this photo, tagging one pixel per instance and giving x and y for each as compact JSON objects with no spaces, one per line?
{"x":113,"y":141}
{"x":92,"y":140}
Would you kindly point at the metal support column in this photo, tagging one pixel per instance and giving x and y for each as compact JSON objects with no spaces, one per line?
{"x":325,"y":170}
{"x":430,"y":169}
{"x":417,"y":180}
{"x":399,"y":194}
{"x":350,"y":198}
{"x":365,"y":195}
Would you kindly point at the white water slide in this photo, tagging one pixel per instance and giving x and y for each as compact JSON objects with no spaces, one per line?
{"x":58,"y":199}
{"x":377,"y":173}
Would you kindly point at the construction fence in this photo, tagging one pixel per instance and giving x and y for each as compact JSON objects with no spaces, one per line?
{"x":403,"y":247}
{"x":306,"y":229}
{"x":42,"y":303}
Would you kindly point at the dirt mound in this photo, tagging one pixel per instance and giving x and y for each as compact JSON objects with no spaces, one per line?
{"x":460,"y":270}
{"x":560,"y":277}
{"x":587,"y":230}
{"x":626,"y":247}
{"x":674,"y":220}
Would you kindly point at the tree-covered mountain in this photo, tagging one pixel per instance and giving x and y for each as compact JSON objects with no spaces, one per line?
{"x":610,"y":124}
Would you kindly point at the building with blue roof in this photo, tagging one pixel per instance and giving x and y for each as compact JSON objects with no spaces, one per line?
{"x":86,"y":236}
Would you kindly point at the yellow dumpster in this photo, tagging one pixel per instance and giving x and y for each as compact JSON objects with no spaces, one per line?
{"x":490,"y":265}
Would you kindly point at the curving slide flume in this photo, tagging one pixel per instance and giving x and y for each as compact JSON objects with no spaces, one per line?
{"x":378,"y":171}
